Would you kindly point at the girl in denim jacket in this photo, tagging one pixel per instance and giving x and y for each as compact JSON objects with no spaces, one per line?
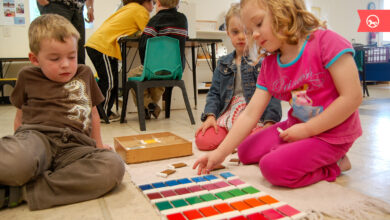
{"x":233,"y":84}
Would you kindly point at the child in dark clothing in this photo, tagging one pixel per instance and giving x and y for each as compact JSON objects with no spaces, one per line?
{"x":167,"y":22}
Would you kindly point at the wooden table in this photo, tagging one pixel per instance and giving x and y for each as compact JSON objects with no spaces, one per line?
{"x":3,"y":63}
{"x":193,"y":43}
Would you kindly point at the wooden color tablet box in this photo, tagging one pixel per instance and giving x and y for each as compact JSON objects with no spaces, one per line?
{"x":148,"y":147}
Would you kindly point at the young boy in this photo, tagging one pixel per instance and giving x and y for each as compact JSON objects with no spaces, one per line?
{"x":56,"y":155}
{"x":167,"y":22}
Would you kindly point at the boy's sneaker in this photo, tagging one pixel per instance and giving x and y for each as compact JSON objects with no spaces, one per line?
{"x":147,"y":114}
{"x":137,"y":71}
{"x":114,"y":117}
{"x":154,"y":109}
{"x":10,"y":196}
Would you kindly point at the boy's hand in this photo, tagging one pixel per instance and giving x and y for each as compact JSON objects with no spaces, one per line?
{"x":295,"y":133}
{"x":104,"y":146}
{"x":207,"y":162}
{"x":210,"y":121}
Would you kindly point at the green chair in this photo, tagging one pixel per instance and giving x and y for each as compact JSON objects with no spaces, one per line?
{"x":361,"y":66}
{"x":162,"y":68}
{"x":168,"y":64}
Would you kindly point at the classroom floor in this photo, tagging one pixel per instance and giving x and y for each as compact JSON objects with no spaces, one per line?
{"x":370,"y":158}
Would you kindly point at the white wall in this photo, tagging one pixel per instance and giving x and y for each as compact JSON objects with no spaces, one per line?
{"x":342,"y":16}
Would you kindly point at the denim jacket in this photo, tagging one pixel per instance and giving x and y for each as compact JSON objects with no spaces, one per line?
{"x":222,"y":89}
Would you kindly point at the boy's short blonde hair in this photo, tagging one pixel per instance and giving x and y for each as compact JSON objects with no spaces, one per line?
{"x":169,"y":3}
{"x":50,"y":26}
{"x":233,"y":11}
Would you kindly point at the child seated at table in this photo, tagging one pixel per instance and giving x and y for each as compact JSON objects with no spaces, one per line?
{"x":167,"y":22}
{"x":104,"y":51}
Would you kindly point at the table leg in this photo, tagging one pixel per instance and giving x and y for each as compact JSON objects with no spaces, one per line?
{"x":194,"y":75}
{"x":124,"y":59}
{"x":1,"y":76}
{"x":365,"y":89}
{"x":213,"y":57}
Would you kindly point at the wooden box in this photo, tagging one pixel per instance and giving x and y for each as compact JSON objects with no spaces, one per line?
{"x":148,"y":147}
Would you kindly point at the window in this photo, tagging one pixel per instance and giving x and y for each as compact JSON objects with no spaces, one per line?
{"x":34,"y":12}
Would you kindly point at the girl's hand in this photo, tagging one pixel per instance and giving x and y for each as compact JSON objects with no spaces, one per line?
{"x":207,"y":162}
{"x":295,"y":133}
{"x":210,"y":121}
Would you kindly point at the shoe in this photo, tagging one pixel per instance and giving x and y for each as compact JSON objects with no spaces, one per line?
{"x":147,"y":114}
{"x":137,"y":71}
{"x":114,"y":117}
{"x":10,"y":196}
{"x":154,"y":109}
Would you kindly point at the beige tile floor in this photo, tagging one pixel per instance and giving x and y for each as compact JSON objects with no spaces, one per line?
{"x":370,"y":157}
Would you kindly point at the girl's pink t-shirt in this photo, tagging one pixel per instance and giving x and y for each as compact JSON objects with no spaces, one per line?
{"x":307,"y":85}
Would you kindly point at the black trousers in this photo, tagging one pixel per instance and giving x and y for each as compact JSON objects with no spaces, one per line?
{"x":75,"y":16}
{"x":107,"y":70}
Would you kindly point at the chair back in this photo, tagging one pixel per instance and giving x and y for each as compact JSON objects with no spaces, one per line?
{"x":162,"y":59}
{"x":359,"y":59}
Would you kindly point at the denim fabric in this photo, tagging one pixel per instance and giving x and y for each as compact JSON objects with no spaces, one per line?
{"x":222,"y":88}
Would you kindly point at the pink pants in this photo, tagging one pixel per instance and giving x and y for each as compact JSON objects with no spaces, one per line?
{"x":295,"y":164}
{"x":211,"y":140}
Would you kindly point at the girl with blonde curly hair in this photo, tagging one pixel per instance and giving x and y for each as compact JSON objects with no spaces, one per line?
{"x":313,"y":69}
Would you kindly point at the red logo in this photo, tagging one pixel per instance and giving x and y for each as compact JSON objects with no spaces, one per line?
{"x":374,"y":21}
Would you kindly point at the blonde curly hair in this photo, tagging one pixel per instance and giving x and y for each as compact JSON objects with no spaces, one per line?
{"x":290,"y":19}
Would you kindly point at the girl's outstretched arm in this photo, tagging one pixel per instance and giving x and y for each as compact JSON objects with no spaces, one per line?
{"x":346,"y":79}
{"x":241,"y":128}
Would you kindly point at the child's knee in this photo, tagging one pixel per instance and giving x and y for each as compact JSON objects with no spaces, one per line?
{"x":18,"y":172}
{"x":112,"y":170}
{"x":243,"y":155}
{"x":275,"y":172}
{"x":210,"y":140}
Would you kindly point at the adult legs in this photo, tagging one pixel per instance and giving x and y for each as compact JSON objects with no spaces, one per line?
{"x":75,"y":16}
{"x":78,"y":23}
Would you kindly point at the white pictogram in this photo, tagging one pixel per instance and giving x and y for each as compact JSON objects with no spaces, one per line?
{"x":372,"y":21}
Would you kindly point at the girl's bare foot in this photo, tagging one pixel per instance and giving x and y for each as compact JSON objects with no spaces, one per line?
{"x":344,"y":164}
